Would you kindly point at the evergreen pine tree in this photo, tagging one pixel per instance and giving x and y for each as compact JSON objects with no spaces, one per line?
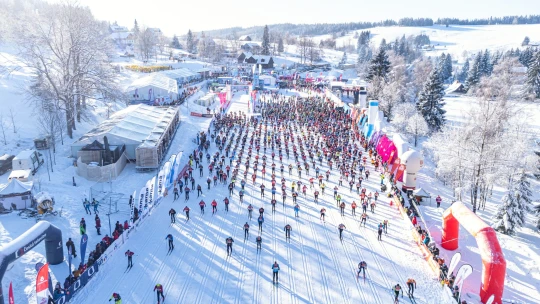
{"x":265,"y":42}
{"x":448,"y":66}
{"x":136,"y":28}
{"x":383,"y":44}
{"x":402,"y":48}
{"x":514,"y":207}
{"x":343,"y":59}
{"x":533,"y":75}
{"x":430,"y":103}
{"x":525,"y":56}
{"x":175,"y":43}
{"x":486,"y":64}
{"x":379,"y":66}
{"x":190,"y":44}
{"x":464,"y":71}
{"x":526,"y":41}
{"x":280,"y":47}
{"x":473,"y":77}
{"x":441,"y":65}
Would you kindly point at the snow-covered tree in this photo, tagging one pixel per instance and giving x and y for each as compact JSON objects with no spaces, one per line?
{"x":265,"y":42}
{"x":464,"y":71}
{"x":486,"y":66}
{"x":383,"y":44}
{"x":280,"y":47}
{"x":136,"y":29}
{"x":430,"y":104}
{"x":422,"y":68}
{"x":526,"y":56}
{"x":448,"y":66}
{"x":343,"y":60}
{"x":417,"y":126}
{"x":175,"y":43}
{"x":473,"y":77}
{"x":379,"y":66}
{"x":533,"y":76}
{"x":515,"y":205}
{"x":395,"y":89}
{"x":402,"y":113}
{"x":190,"y":43}
{"x":526,"y":41}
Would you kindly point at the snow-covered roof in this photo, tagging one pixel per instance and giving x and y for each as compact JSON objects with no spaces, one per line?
{"x":157,"y":80}
{"x":24,"y":154}
{"x":119,"y":35}
{"x":244,"y":37}
{"x":16,"y":187}
{"x":133,"y":125}
{"x":421,"y":193}
{"x":179,"y":73}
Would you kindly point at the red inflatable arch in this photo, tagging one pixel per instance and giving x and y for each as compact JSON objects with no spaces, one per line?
{"x":493,"y":262}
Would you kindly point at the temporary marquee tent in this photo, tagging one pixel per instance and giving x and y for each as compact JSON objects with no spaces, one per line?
{"x":16,"y":195}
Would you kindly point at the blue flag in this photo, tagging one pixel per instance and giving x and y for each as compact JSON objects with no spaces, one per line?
{"x":84,"y":241}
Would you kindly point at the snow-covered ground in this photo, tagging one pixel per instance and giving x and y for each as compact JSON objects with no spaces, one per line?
{"x":315,"y":266}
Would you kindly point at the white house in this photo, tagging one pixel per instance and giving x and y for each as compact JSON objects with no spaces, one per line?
{"x":123,"y":38}
{"x":117,"y":28}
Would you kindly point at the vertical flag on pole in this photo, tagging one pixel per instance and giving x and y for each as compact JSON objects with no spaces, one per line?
{"x":84,"y":242}
{"x":11,"y":298}
{"x":42,"y":284}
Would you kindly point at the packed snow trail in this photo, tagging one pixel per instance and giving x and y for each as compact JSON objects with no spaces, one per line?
{"x":198,"y":270}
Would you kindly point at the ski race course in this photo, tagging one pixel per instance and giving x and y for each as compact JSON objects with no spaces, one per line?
{"x":316,"y":267}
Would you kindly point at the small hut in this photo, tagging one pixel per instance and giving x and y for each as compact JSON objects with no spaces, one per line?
{"x":16,"y":195}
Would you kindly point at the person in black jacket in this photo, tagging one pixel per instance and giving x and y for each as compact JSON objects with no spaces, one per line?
{"x":71,"y":246}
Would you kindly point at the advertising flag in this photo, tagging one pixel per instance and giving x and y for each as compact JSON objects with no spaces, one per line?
{"x":42,"y":285}
{"x":84,"y":242}
{"x":11,"y":298}
{"x":454,"y":262}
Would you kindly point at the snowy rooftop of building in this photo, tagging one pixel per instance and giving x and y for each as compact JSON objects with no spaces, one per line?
{"x":133,"y":125}
{"x":157,"y":80}
{"x":179,"y":73}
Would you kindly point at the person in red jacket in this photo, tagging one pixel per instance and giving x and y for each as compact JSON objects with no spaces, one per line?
{"x":186,"y":210}
{"x":202,"y":204}
{"x":98,"y":225}
{"x":214,"y":207}
{"x":115,"y":235}
{"x":129,"y":255}
{"x":159,"y":292}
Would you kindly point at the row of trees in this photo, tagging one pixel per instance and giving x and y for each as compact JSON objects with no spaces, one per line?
{"x":530,"y":19}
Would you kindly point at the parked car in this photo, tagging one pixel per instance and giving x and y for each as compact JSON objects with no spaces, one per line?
{"x":6,"y":163}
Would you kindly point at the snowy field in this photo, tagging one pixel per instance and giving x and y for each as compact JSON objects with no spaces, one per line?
{"x":315,"y":266}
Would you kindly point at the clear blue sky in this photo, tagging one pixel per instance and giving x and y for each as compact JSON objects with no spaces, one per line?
{"x":177,"y":16}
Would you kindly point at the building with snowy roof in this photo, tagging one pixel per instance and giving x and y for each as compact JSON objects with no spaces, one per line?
{"x":16,"y":195}
{"x":156,"y":87}
{"x":143,"y":132}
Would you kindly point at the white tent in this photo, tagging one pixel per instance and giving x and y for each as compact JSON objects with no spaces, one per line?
{"x":16,"y":195}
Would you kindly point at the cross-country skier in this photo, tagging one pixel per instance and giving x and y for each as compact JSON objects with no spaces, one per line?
{"x":364,"y":219}
{"x":323,"y":213}
{"x":275,"y":270}
{"x":273,"y":202}
{"x":159,"y":292}
{"x":296,"y":210}
{"x":260,"y":220}
{"x":226,"y":201}
{"x":202,"y":204}
{"x":169,"y":237}
{"x":246,"y":230}
{"x":411,"y":283}
{"x":438,"y":200}
{"x":259,"y":242}
{"x":229,"y":241}
{"x":287,"y":229}
{"x":385,"y":226}
{"x":116,"y":297}
{"x":172,"y":213}
{"x":250,"y":211}
{"x":98,"y":225}
{"x":186,"y":210}
{"x":342,"y":208}
{"x":396,"y":290}
{"x":176,"y":195}
{"x":214,"y":206}
{"x":379,"y":231}
{"x":353,"y":207}
{"x":340,"y":228}
{"x":362,"y":266}
{"x":129,"y":255}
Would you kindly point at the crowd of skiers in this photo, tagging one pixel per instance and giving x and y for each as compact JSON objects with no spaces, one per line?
{"x":294,"y":136}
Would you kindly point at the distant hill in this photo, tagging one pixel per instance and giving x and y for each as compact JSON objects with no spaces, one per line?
{"x":342,"y":28}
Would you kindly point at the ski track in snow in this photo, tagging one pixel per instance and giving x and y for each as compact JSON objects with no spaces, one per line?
{"x":344,"y":293}
{"x":307,"y":271}
{"x":360,"y":254}
{"x":242,"y":268}
{"x":293,"y":294}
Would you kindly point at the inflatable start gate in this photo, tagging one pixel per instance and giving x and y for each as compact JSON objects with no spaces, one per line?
{"x":493,"y":262}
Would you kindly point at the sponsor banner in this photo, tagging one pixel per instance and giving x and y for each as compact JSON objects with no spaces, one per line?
{"x":79,"y":284}
{"x":196,"y":114}
{"x":207,"y":115}
{"x":42,"y":285}
{"x":160,"y":180}
{"x":11,"y":298}
{"x":454,"y":262}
